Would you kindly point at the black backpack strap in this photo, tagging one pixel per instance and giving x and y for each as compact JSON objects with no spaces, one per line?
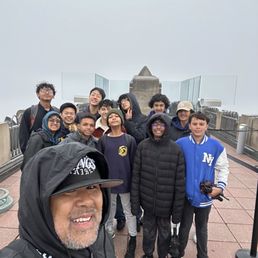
{"x":128,"y":140}
{"x":33,"y":114}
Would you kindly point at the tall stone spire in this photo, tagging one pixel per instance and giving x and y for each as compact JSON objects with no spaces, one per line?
{"x":145,"y":72}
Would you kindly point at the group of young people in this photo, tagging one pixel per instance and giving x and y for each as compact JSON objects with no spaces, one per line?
{"x":161,"y":162}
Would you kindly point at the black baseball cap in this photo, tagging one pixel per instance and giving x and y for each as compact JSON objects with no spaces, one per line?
{"x":85,"y":173}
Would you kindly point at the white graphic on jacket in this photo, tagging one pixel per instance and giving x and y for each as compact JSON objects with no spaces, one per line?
{"x":44,"y":255}
{"x":208,"y":158}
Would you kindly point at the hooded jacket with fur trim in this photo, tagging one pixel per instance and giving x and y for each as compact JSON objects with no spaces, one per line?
{"x":44,"y":172}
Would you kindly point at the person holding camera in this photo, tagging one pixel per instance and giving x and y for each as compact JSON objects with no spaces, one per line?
{"x":203,"y":156}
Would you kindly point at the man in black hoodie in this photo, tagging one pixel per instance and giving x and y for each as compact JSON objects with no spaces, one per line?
{"x":64,"y":203}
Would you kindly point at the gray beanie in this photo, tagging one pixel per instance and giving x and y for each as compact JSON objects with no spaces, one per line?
{"x":116,"y":111}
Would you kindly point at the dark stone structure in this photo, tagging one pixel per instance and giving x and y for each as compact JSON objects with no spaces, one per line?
{"x":144,"y":86}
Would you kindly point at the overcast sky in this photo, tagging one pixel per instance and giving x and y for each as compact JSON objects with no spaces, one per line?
{"x":40,"y":39}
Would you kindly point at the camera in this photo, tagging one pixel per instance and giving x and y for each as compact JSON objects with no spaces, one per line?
{"x":206,"y":188}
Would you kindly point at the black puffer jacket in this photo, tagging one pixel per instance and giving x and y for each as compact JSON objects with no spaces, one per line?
{"x":137,"y":125}
{"x":158,"y":182}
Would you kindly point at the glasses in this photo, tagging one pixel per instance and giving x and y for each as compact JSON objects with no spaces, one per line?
{"x":46,"y":90}
{"x":57,"y":121}
{"x":161,"y":125}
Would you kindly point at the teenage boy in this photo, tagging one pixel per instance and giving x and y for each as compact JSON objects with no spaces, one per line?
{"x":158,"y":185}
{"x":101,"y":126}
{"x":32,"y":116}
{"x":179,"y":124}
{"x":135,"y":125}
{"x":119,"y":150}
{"x":68,"y":114}
{"x":203,"y":156}
{"x":96,"y":95}
{"x":158,"y":103}
{"x":135,"y":121}
{"x":85,"y":127}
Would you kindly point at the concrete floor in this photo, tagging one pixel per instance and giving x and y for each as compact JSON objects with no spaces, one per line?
{"x":230,"y":224}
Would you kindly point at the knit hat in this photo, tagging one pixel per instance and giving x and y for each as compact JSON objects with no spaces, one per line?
{"x":67,"y":105}
{"x":84,"y":174}
{"x":184,"y":105}
{"x":116,"y":111}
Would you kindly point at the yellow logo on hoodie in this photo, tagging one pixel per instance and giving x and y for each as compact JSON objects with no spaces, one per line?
{"x":122,"y":151}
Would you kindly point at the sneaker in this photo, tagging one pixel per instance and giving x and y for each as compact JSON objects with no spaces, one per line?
{"x":130,"y":253}
{"x":120,"y":224}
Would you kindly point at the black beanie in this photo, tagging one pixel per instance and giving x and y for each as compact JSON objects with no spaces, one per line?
{"x":68,"y":105}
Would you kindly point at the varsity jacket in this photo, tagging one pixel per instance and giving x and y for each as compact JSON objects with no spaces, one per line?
{"x":202,"y":160}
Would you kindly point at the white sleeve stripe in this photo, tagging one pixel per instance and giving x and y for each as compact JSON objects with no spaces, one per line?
{"x":221,"y":168}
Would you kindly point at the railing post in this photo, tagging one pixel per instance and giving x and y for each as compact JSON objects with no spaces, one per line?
{"x":244,"y":253}
{"x":241,"y":138}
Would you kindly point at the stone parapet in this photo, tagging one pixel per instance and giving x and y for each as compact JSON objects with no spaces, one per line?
{"x":5,"y":142}
{"x":144,"y":86}
{"x":252,"y":133}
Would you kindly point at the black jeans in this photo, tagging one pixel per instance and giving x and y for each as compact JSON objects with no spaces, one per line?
{"x":151,"y":225}
{"x":201,"y":224}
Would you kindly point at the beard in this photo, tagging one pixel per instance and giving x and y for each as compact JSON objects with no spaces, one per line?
{"x":80,"y":242}
{"x":76,"y":239}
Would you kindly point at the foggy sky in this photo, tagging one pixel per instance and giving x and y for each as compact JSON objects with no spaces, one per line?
{"x":175,"y":39}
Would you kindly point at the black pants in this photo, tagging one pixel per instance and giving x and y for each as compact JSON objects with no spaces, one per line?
{"x":152,"y":224}
{"x":201,"y":224}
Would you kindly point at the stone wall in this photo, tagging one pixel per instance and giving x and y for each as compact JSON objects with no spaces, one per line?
{"x":252,"y":134}
{"x":144,"y":86}
{"x":5,"y":153}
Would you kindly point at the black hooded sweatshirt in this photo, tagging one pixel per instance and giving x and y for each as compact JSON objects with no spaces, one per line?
{"x":45,"y":171}
{"x":137,"y":125}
